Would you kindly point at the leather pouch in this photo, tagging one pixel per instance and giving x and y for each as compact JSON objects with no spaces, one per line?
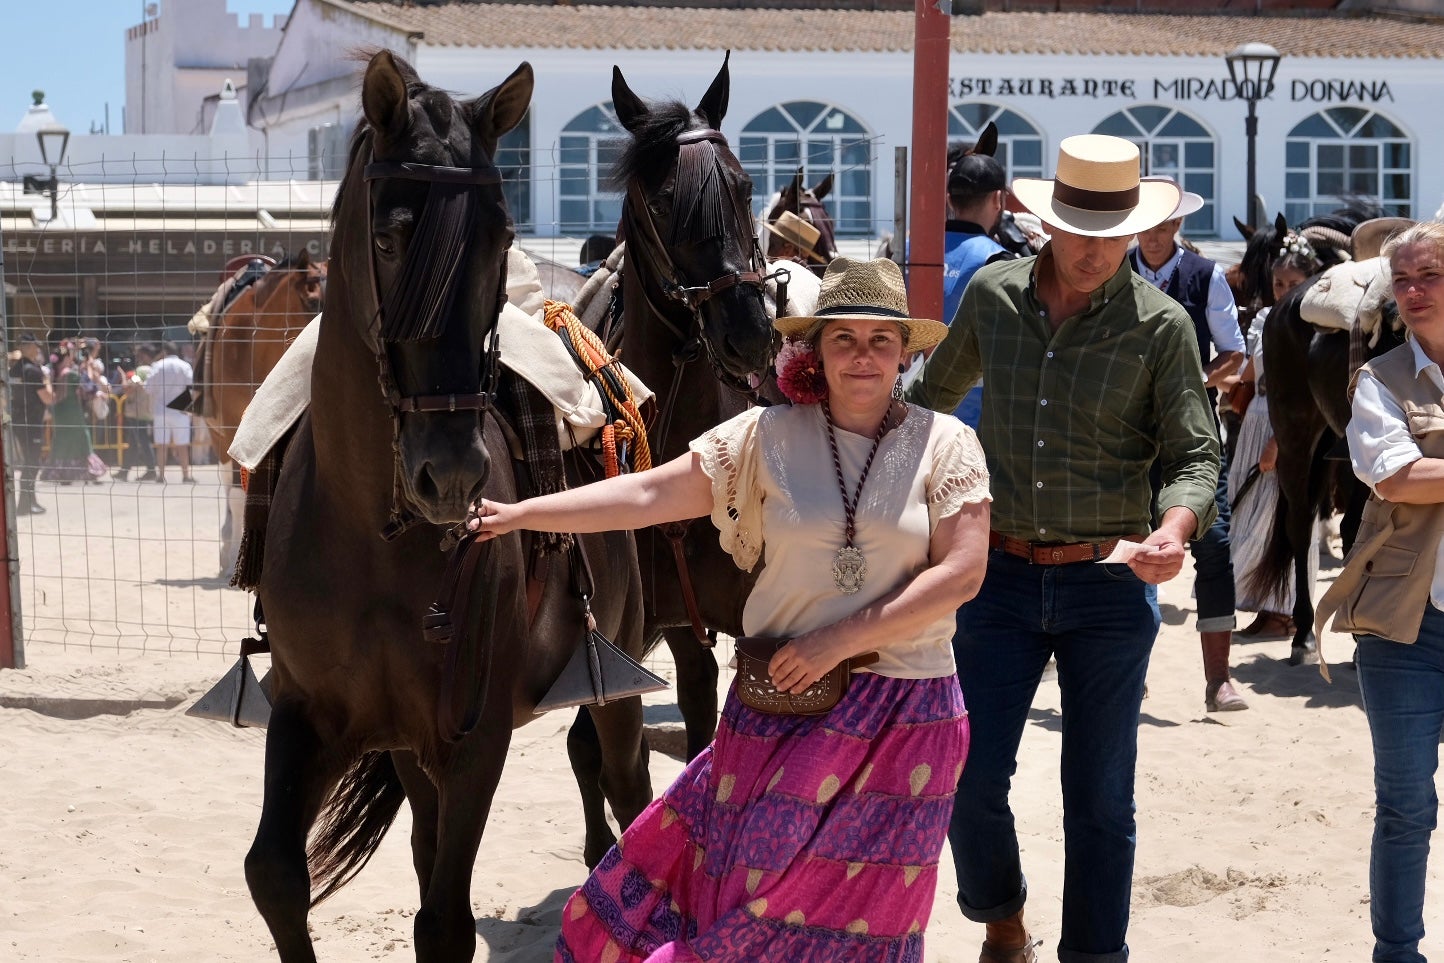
{"x":755,"y":688}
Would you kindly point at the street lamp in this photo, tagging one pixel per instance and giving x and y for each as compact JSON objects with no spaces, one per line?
{"x":53,"y":140}
{"x":1251,"y":67}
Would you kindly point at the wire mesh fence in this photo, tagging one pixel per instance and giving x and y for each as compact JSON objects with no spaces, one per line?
{"x":125,"y":543}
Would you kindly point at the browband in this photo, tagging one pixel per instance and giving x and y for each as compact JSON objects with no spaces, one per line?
{"x":697,"y":136}
{"x":1102,"y":201}
{"x":433,"y":173}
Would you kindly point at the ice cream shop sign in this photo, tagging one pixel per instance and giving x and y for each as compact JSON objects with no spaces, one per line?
{"x":153,"y":250}
{"x":1318,"y":90}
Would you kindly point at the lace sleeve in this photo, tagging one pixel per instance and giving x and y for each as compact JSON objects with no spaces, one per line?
{"x":729,"y":457}
{"x":958,"y":477}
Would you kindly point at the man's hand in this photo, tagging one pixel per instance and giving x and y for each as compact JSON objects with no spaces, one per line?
{"x":1166,"y":559}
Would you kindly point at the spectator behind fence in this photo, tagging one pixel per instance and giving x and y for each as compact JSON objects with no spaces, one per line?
{"x":169,"y":379}
{"x":72,"y":458}
{"x":30,"y":396}
{"x":139,"y":418}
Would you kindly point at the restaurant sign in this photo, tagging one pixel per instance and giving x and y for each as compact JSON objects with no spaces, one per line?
{"x":1171,"y":89}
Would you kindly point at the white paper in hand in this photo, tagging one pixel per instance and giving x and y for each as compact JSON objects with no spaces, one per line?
{"x":1124,"y":552}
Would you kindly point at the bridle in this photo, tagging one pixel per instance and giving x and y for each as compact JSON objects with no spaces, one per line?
{"x":419,"y":304}
{"x":646,"y":247}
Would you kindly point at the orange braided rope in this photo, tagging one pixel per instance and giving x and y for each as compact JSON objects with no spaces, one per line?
{"x":560,"y":315}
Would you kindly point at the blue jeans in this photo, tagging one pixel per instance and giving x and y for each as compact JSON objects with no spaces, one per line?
{"x":1213,"y":567}
{"x":1099,"y":624}
{"x":1403,"y":690}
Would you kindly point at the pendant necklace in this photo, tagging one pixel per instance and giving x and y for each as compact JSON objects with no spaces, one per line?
{"x":849,"y":567}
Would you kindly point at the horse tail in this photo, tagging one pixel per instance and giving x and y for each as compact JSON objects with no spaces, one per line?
{"x":353,"y":822}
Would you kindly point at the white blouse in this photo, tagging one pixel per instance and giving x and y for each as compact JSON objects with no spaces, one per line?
{"x":1380,"y":443}
{"x":774,"y":485}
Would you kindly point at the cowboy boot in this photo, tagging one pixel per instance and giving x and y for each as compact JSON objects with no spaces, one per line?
{"x":1008,"y":941}
{"x":1219,"y":694}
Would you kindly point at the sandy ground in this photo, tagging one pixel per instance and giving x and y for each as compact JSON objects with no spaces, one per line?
{"x":127,"y":821}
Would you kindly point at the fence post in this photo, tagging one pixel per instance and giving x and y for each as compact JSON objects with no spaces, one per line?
{"x":12,"y":646}
{"x":900,"y":206}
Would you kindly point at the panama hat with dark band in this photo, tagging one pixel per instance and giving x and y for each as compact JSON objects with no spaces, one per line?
{"x":1097,"y":191}
{"x":865,"y":291}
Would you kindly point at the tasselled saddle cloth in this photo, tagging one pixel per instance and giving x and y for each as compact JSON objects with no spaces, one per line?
{"x":528,"y":348}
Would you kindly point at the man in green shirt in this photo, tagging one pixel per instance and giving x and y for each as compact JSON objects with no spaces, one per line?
{"x":1092,"y":374}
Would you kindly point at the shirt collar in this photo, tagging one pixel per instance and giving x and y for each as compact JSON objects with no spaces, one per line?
{"x":959,"y":226}
{"x":1422,"y":362}
{"x":1110,"y":289}
{"x":1160,"y":277}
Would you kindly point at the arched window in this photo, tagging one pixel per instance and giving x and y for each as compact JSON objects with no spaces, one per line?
{"x":1020,"y":144}
{"x":590,"y":144}
{"x":513,"y":158}
{"x":821,"y":139}
{"x":1175,"y":145}
{"x":1342,"y":153}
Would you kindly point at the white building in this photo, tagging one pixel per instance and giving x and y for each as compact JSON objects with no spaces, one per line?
{"x":1351,"y":113}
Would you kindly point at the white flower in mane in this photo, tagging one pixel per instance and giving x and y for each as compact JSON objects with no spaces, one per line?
{"x":1296,"y":244}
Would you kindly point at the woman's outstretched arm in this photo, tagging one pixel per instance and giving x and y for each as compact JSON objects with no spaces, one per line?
{"x":671,"y":492}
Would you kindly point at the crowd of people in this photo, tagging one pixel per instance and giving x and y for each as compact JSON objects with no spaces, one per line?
{"x":60,"y":399}
{"x":1097,"y":465}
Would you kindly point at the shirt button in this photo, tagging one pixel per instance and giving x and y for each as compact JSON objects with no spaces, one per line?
{"x":1040,"y":484}
{"x":1042,"y":531}
{"x":1050,"y":354}
{"x":1040,"y":443}
{"x":1044,"y":402}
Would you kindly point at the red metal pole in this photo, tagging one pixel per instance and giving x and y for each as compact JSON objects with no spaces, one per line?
{"x":932,"y":24}
{"x":8,"y":656}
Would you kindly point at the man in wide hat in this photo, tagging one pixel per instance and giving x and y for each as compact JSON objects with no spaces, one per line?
{"x":1092,"y":375}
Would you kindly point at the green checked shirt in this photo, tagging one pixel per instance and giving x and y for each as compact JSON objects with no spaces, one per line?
{"x":1073,"y":419}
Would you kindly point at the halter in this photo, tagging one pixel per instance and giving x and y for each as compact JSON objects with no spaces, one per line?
{"x":422,"y":298}
{"x":640,"y":228}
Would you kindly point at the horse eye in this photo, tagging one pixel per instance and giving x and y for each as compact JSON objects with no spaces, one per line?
{"x":384,"y":245}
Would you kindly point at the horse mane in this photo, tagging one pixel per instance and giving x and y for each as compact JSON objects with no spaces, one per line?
{"x":360,"y":139}
{"x":656,"y":134}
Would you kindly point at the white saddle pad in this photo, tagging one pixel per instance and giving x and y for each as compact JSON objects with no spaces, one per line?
{"x":528,"y":348}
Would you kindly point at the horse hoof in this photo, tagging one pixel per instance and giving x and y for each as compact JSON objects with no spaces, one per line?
{"x":1305,"y":653}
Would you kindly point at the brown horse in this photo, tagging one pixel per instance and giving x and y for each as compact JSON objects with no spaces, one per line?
{"x":362,"y":712}
{"x":696,"y":330}
{"x":806,"y":203}
{"x":248,"y":339}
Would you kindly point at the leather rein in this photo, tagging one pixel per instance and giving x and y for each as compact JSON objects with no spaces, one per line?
{"x":470,"y":178}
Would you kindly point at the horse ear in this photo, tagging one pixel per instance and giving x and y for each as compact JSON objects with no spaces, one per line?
{"x":1246,"y":230}
{"x":987,"y":141}
{"x":1281,"y":225}
{"x":823,"y":188}
{"x":631,"y":109}
{"x":714,"y":101}
{"x":303,"y":259}
{"x":794,"y":186}
{"x":502,"y":107}
{"x":384,"y":99}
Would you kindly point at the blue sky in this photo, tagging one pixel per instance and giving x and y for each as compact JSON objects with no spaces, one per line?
{"x":48,"y":38}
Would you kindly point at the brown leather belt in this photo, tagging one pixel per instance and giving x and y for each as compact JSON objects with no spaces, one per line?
{"x":1056,"y":553}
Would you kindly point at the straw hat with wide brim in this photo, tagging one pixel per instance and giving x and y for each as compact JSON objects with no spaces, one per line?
{"x":797,"y":232}
{"x":866,"y":291}
{"x":1097,"y":191}
{"x":1188,"y":202}
{"x":1369,"y":237}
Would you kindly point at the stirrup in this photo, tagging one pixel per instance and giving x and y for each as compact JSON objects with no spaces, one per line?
{"x":239,"y":698}
{"x":597,"y":673}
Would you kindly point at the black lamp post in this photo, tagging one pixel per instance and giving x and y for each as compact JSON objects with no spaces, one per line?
{"x":53,"y":141}
{"x":1251,"y":67}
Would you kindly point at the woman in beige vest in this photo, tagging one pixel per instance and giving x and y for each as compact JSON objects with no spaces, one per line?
{"x":1391,"y":592}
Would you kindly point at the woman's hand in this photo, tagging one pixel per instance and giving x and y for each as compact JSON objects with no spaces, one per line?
{"x":1268,"y":459}
{"x":490,"y":519}
{"x":803,"y":661}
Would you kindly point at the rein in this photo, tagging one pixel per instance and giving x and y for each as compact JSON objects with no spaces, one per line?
{"x":421,"y":300}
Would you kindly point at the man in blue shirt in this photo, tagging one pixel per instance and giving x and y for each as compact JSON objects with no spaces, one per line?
{"x":977,"y":186}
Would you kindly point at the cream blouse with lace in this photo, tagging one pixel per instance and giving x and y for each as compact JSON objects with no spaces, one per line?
{"x":774,"y":485}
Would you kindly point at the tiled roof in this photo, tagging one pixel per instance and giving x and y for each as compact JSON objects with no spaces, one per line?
{"x":500,"y":25}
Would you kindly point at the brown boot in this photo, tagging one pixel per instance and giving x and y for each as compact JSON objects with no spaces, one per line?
{"x":1008,"y":941}
{"x":1219,"y":694}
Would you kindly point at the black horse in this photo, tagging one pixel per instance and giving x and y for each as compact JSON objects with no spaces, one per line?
{"x":364,"y":713}
{"x":1308,"y":379}
{"x":697,"y":331}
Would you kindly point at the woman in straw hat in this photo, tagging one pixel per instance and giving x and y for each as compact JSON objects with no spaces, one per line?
{"x":793,"y":836}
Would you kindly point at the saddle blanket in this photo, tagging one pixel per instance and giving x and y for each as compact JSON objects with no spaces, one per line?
{"x":1348,"y":294}
{"x":529,"y":349}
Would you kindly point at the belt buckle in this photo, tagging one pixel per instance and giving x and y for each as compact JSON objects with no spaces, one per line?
{"x":1057,"y":556}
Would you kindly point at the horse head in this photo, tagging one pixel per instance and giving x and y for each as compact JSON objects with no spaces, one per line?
{"x":806,"y":203}
{"x":293,"y":289}
{"x":421,"y":235}
{"x":687,"y":221}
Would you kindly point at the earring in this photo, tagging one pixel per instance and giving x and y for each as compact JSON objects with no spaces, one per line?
{"x":897,"y":386}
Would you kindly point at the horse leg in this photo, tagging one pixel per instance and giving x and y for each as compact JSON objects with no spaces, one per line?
{"x":445,"y":928}
{"x":1353,"y":512}
{"x":425,"y":804}
{"x":299,"y":774}
{"x":1299,"y":481}
{"x":584,"y":750}
{"x":624,"y":778}
{"x":696,"y":687}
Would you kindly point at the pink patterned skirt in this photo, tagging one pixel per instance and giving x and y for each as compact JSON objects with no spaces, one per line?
{"x":810,"y":839}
